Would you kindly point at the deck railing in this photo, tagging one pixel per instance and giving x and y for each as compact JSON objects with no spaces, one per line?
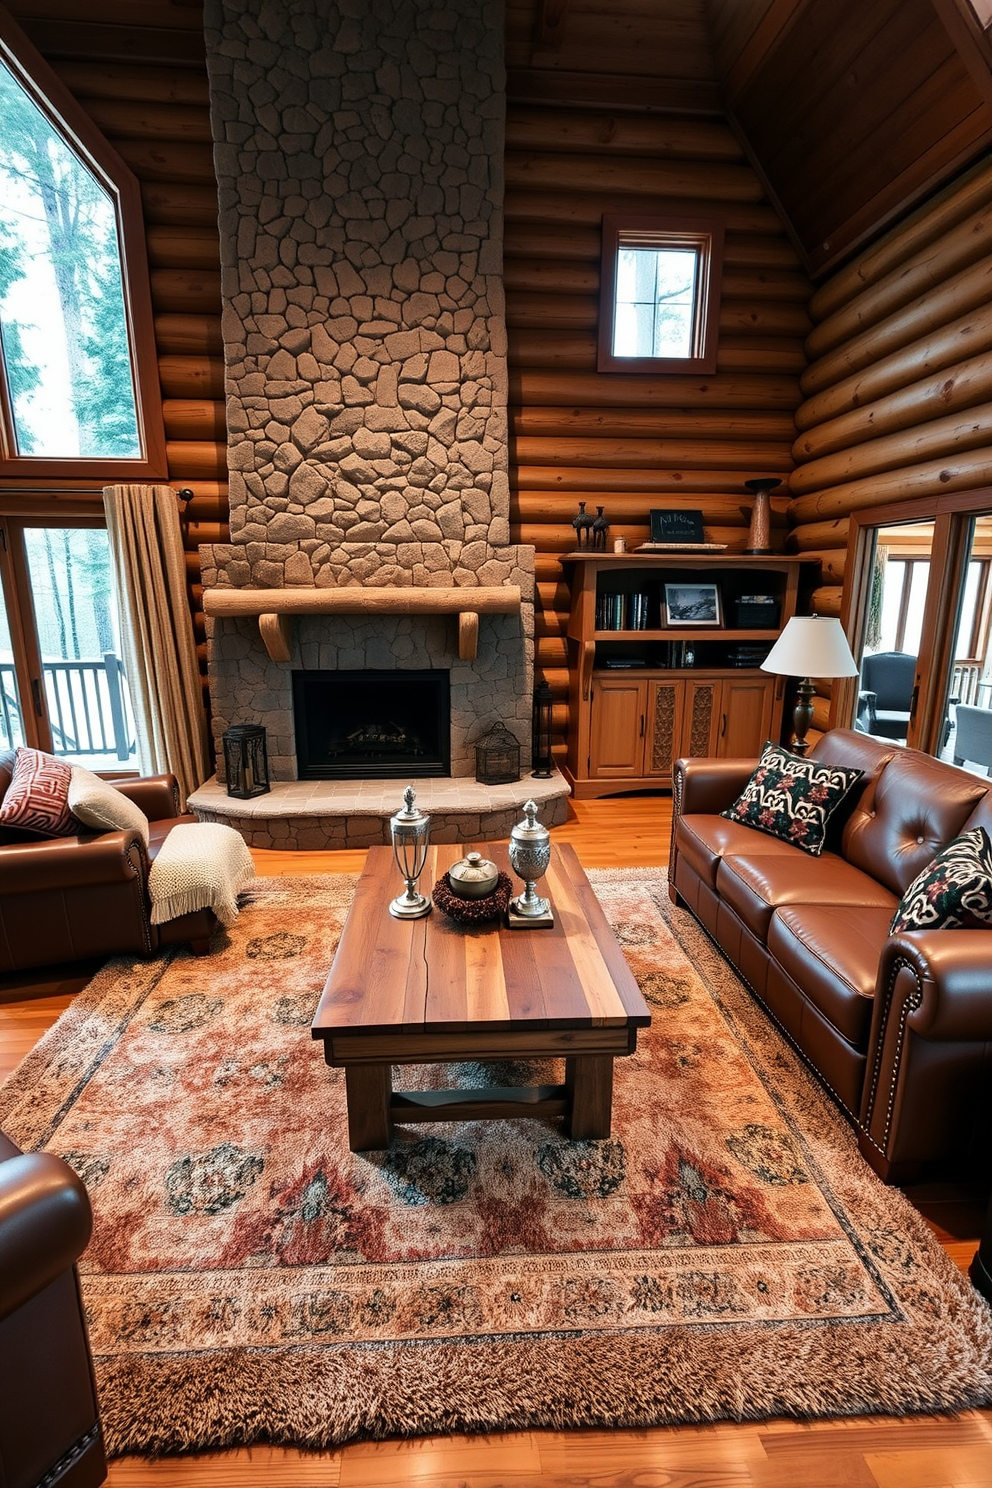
{"x":86,"y":707}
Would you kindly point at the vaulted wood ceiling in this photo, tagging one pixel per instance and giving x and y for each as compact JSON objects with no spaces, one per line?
{"x":850,"y":111}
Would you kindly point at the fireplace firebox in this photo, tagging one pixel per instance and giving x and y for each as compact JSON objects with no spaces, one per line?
{"x":372,"y":724}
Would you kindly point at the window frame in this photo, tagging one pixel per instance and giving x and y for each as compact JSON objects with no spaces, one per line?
{"x":80,"y":133}
{"x":703,"y":234}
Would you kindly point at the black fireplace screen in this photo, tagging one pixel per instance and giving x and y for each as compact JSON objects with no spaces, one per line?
{"x":382,"y":725}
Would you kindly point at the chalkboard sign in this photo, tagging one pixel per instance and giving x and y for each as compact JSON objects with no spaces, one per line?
{"x":676,"y":526}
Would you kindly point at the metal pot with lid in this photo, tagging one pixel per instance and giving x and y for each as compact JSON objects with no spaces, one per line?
{"x":473,"y":876}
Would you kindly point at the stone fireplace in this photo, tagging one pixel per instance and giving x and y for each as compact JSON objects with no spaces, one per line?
{"x":359,"y":160}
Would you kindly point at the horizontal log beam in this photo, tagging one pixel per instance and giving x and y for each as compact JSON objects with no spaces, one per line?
{"x":685,"y":482}
{"x":182,"y":335}
{"x":813,"y":535}
{"x":150,"y":120}
{"x":826,"y":600}
{"x":183,"y":247}
{"x":556,"y":506}
{"x":593,"y":390}
{"x":966,"y":291}
{"x":186,"y":291}
{"x":633,"y":454}
{"x":189,"y":205}
{"x":661,"y":423}
{"x":937,"y":439}
{"x":576,"y":350}
{"x":190,"y":459}
{"x":355,"y":599}
{"x":567,"y":242}
{"x":965,"y":244}
{"x":563,"y":129}
{"x":586,"y":208}
{"x":948,"y":347}
{"x":191,"y":376}
{"x":962,"y":386}
{"x":631,"y":175}
{"x":578,"y":312}
{"x":560,"y":538}
{"x":91,"y":79}
{"x":168,"y":160}
{"x":194,"y":418}
{"x":923,"y":227}
{"x":966,"y":471}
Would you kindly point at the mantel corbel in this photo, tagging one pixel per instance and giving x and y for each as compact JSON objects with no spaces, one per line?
{"x":276,"y":607}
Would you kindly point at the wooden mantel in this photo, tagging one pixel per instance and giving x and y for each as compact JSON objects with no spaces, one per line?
{"x":275,"y":607}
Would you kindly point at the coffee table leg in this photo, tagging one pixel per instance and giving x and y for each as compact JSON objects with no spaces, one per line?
{"x":589,"y":1082}
{"x":368,"y":1088}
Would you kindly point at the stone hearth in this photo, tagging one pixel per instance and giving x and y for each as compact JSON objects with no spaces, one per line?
{"x":312,"y":815}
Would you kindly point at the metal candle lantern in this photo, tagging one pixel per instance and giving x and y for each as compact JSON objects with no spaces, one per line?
{"x":497,"y":757}
{"x":410,"y":831}
{"x":246,"y":761}
{"x":541,"y":745}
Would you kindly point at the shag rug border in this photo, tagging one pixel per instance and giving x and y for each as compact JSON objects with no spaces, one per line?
{"x":318,"y":1398}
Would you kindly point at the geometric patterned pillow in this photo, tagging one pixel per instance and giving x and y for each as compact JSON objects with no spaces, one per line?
{"x":953,"y":892}
{"x":792,"y":798}
{"x":37,"y":798}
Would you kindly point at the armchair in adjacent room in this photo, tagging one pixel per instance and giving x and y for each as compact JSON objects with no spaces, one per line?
{"x":79,"y":897}
{"x":886,"y":698}
{"x":973,"y":737}
{"x":49,"y":1421}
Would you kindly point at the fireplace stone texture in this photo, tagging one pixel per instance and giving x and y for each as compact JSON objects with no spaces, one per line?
{"x":359,"y":150}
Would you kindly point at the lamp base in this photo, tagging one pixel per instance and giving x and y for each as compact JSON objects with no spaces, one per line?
{"x":802,"y":717}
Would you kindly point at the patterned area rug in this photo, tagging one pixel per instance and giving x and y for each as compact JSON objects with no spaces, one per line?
{"x":726,"y":1254}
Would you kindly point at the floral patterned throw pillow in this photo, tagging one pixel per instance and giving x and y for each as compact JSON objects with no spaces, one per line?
{"x":37,"y":799}
{"x":792,"y":798}
{"x":954,"y":892}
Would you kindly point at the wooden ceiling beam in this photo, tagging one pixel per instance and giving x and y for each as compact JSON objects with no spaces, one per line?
{"x":548,"y":85}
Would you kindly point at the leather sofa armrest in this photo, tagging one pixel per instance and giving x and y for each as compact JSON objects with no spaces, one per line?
{"x":45,"y":1225}
{"x":708,"y":786}
{"x":156,"y":795}
{"x":952,"y":974}
{"x":72,"y":862}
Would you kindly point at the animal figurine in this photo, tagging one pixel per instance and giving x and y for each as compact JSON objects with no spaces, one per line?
{"x":582,"y":522}
{"x":600,"y":527}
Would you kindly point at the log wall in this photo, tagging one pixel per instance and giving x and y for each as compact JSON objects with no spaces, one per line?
{"x":898,"y":393}
{"x":629,"y":443}
{"x":142,"y":79}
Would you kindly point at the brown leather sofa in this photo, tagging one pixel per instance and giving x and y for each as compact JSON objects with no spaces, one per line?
{"x":72,"y":898}
{"x":49,"y":1421}
{"x":899,"y":1028}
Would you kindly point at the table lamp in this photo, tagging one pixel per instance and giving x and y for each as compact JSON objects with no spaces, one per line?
{"x":809,"y":646}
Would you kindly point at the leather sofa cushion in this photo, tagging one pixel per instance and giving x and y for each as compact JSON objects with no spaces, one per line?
{"x":832,"y":952}
{"x":857,"y":752}
{"x":918,"y":805}
{"x":755,"y":886}
{"x":704,"y":840}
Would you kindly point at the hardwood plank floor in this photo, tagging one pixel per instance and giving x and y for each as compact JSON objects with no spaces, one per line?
{"x":915,"y":1452}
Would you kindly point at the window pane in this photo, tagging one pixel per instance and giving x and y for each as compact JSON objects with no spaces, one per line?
{"x":11,"y":731}
{"x":62,"y":322}
{"x":655,"y":304}
{"x":75,"y":608}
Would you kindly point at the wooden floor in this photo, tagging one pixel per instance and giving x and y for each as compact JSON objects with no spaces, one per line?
{"x":917,"y":1452}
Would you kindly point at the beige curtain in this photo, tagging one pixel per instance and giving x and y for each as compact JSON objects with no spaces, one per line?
{"x":157,"y":640}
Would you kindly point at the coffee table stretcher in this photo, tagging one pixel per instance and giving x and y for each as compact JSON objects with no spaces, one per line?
{"x":428,"y":991}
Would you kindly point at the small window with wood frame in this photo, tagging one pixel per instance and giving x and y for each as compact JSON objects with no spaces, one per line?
{"x":659,"y":294}
{"x":79,"y":391}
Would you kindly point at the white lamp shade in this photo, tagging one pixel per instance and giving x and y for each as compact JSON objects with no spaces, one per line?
{"x":811,"y":646}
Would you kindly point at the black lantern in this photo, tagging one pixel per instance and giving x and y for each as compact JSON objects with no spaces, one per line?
{"x":541,"y":738}
{"x":497,"y":757}
{"x":246,"y":761}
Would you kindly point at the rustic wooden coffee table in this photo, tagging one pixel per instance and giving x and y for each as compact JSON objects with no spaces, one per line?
{"x":432,"y":992}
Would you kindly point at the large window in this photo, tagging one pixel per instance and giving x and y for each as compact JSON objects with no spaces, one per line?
{"x":78,"y":379}
{"x":660,"y":292}
{"x":62,"y":684}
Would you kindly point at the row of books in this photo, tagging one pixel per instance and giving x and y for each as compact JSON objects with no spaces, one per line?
{"x":622,"y":612}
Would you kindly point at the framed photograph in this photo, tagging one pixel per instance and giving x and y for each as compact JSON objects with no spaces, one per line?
{"x":692,"y":604}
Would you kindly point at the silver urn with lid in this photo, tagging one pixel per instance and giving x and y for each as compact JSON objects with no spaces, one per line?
{"x":473,"y":876}
{"x":530,"y":854}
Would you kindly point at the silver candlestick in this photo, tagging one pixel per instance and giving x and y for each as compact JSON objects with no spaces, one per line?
{"x":530,"y":854}
{"x":410,"y":830}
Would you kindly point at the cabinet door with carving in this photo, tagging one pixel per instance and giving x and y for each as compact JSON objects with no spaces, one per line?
{"x":701,"y":717}
{"x":747,"y":705}
{"x":616,"y":743}
{"x":664,"y":727}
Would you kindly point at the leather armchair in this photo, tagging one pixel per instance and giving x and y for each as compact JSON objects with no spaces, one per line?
{"x":76,"y":898}
{"x":49,"y":1421}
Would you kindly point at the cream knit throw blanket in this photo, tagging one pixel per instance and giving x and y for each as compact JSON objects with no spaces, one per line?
{"x":200,"y":865}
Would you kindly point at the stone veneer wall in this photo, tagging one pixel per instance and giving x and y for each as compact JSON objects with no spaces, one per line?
{"x":359,"y":148}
